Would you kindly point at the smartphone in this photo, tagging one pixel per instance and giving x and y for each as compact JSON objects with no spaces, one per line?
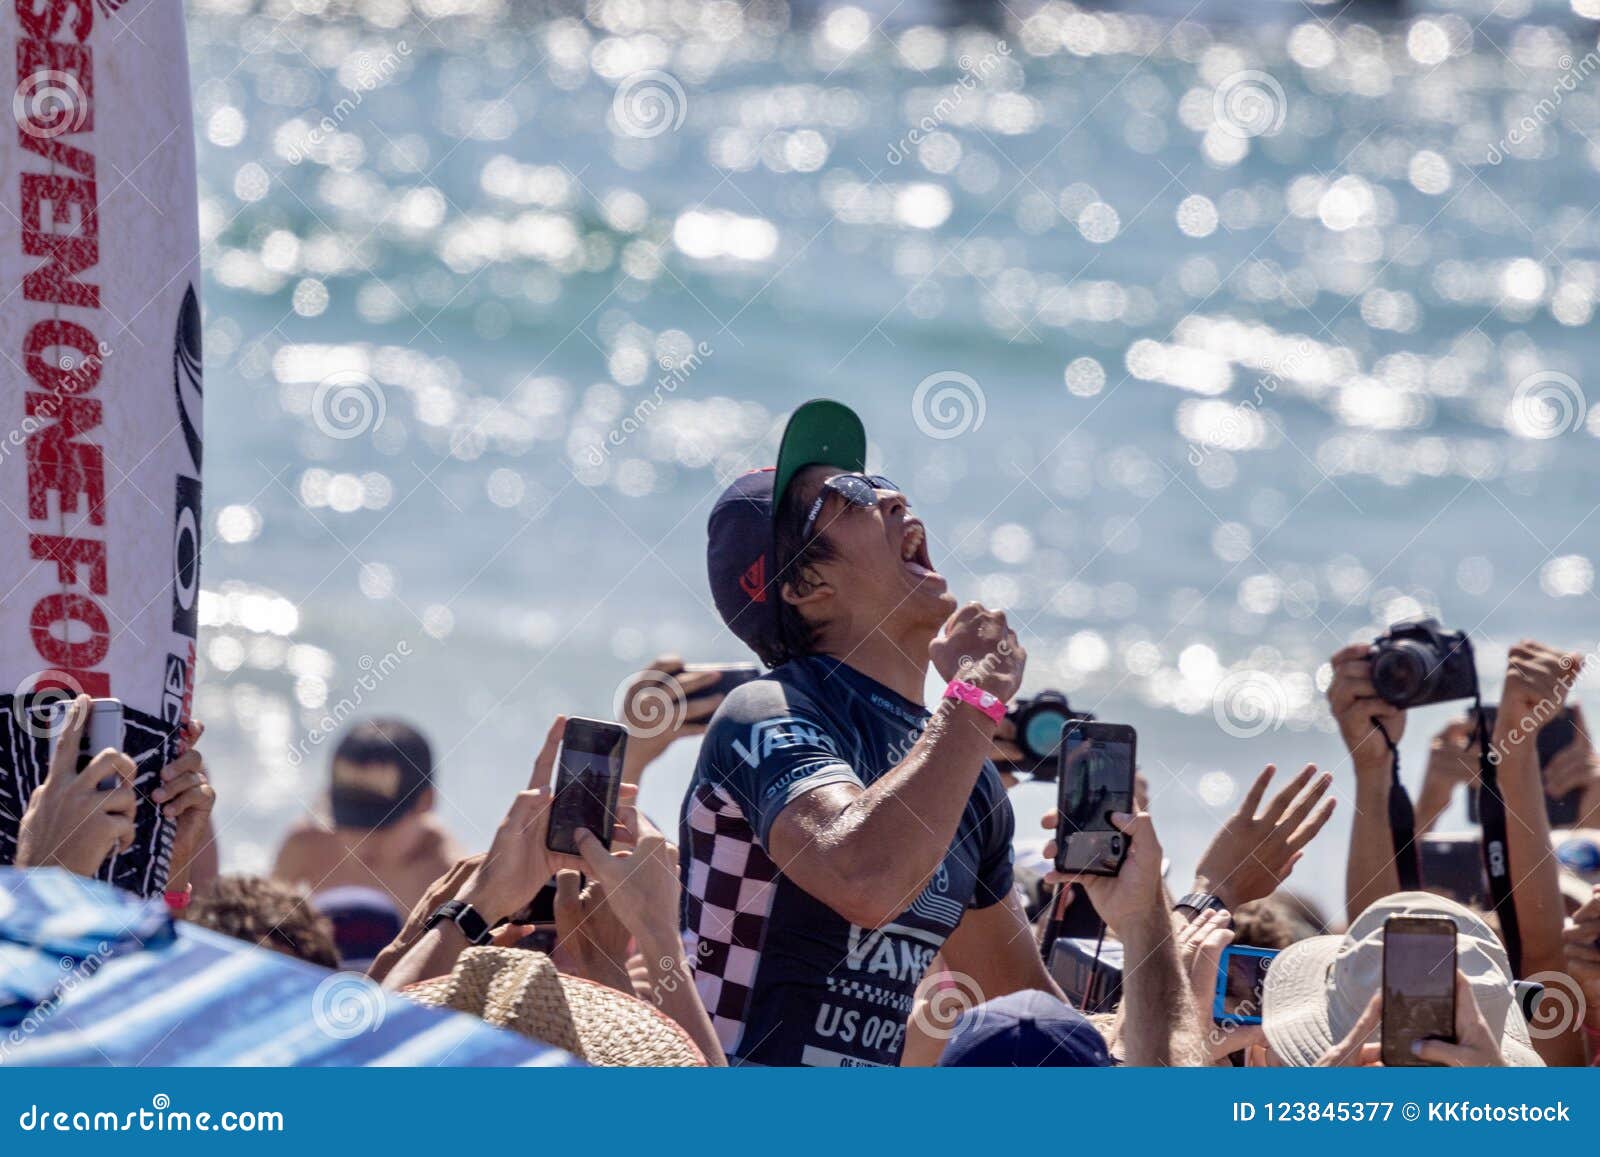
{"x":1419,"y":985}
{"x":588,"y":780}
{"x":1559,"y":731}
{"x":730,"y":675}
{"x":1240,"y":975}
{"x":103,"y":730}
{"x":1452,"y":863}
{"x":1096,"y":780}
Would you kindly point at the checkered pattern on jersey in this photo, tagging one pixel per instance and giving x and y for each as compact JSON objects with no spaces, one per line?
{"x":726,"y":906}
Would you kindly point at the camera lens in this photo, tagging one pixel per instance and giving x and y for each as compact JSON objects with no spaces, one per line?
{"x":1400,"y":671}
{"x":1041,"y":734}
{"x":1116,"y":843}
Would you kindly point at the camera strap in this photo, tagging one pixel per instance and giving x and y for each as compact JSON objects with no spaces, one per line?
{"x":1402,"y":820}
{"x":1496,"y":855}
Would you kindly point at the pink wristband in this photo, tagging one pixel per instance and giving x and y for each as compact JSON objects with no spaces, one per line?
{"x":178,"y":901}
{"x":975,"y":696}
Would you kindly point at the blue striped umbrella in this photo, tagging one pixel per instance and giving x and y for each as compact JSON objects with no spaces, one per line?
{"x":92,"y":975}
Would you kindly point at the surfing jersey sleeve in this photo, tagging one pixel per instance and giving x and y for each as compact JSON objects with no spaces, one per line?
{"x":999,"y":829}
{"x":769,"y":745}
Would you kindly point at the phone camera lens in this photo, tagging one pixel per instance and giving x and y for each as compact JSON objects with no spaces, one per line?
{"x":1116,"y":844}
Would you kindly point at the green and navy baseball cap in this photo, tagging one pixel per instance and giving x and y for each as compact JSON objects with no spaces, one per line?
{"x":740,"y":559}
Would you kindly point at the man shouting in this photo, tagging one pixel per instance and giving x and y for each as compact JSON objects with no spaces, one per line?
{"x":837,"y":833}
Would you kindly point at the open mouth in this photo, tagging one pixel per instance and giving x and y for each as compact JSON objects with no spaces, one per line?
{"x":914,"y":551}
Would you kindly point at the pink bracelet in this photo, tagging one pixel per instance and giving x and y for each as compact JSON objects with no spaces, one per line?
{"x":974,"y":696}
{"x":178,"y":901}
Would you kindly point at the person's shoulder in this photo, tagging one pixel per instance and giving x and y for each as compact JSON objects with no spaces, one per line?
{"x":307,"y":843}
{"x":774,"y":694}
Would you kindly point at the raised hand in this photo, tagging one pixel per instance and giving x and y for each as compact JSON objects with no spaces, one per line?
{"x":979,"y":646}
{"x":1358,"y":710}
{"x":69,"y":821}
{"x":1251,"y":855}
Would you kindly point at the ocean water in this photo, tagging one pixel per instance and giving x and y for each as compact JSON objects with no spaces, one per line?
{"x":1202,"y":349}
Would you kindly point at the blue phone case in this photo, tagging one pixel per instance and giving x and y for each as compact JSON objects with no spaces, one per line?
{"x":1217,"y":1004}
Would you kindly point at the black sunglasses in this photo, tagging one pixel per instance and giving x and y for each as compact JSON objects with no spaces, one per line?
{"x":856,"y":489}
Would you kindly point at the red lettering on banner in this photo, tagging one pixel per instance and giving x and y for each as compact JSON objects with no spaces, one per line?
{"x":67,"y":609}
{"x":70,"y":250}
{"x":60,"y":223}
{"x":57,"y":462}
{"x":68,"y":553}
{"x":46,"y":19}
{"x":82,"y":376}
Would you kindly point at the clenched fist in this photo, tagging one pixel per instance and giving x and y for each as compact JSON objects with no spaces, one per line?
{"x":977,"y":645}
{"x":1537,"y":681}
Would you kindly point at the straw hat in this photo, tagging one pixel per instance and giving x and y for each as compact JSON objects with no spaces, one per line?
{"x":521,"y":990}
{"x":1316,"y":990}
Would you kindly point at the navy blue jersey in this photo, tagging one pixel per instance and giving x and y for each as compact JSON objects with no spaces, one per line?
{"x":787,"y":980}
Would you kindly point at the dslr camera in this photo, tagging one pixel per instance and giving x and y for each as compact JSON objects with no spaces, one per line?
{"x":1038,"y":721}
{"x":1420,"y":662}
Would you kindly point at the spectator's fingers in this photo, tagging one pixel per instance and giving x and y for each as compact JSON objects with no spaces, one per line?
{"x":70,"y":738}
{"x":545,"y":764}
{"x":598,"y":862}
{"x":1050,"y":820}
{"x":1349,"y":653}
{"x":1258,"y":790}
{"x":1302,"y":806}
{"x":189,"y":761}
{"x":108,"y":763}
{"x":119,"y":832}
{"x":1370,"y":1056}
{"x":201,"y":796}
{"x":1568,"y":771}
{"x":569,"y":902}
{"x":178,"y":787}
{"x":1284,"y":799}
{"x":1308,"y":830}
{"x":1347,"y":1051}
{"x":1438,"y":1052}
{"x":667,"y":664}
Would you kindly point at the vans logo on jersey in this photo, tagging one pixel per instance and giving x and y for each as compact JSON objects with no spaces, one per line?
{"x":771,"y":735}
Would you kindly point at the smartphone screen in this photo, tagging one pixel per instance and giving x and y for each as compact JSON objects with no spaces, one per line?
{"x":588,"y":779}
{"x":1096,"y":780}
{"x":1419,"y":984}
{"x":1240,"y":976}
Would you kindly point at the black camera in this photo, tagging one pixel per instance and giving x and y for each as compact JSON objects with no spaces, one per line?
{"x":1038,"y":722}
{"x":1419,"y":662}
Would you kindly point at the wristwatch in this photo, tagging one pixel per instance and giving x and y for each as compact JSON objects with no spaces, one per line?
{"x":465,"y":917}
{"x":1198,"y":902}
